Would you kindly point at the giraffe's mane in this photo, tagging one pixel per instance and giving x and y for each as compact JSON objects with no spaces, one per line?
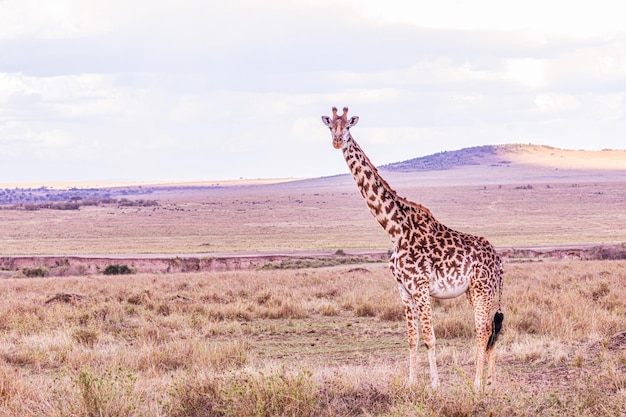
{"x":386,"y":185}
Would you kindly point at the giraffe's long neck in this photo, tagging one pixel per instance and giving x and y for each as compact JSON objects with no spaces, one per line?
{"x":388,"y":209}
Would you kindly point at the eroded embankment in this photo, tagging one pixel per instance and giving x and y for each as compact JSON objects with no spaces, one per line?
{"x":90,"y":265}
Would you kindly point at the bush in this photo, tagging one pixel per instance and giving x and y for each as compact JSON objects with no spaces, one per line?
{"x":365,"y":309}
{"x":115,"y":269}
{"x":394,"y":312}
{"x":87,"y":337}
{"x":608,"y":252}
{"x":35,"y":272}
{"x":277,"y":394}
{"x":65,"y":206}
{"x":108,"y":394}
{"x":125,"y":202}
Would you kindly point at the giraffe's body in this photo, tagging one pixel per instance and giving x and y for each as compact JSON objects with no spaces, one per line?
{"x":428,"y":260}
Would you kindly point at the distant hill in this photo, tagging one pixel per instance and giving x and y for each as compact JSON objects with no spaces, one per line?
{"x":477,"y":155}
{"x":518,"y":154}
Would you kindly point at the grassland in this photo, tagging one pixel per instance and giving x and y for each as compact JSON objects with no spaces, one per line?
{"x":323,"y":214}
{"x":309,"y":342}
{"x":313,"y":341}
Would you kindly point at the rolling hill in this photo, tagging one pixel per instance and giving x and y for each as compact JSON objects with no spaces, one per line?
{"x":506,"y":155}
{"x":508,"y":164}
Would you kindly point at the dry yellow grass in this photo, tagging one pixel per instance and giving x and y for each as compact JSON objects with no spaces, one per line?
{"x":312,"y":342}
{"x":320,"y":214}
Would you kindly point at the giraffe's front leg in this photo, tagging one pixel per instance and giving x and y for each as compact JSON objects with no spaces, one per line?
{"x":418,"y":309}
{"x":412,"y":318}
{"x":428,"y":334}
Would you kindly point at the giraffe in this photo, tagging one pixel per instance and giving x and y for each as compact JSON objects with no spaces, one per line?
{"x":428,"y":260}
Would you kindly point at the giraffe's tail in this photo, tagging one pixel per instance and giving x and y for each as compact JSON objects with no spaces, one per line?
{"x":498,"y":318}
{"x":495,"y":329}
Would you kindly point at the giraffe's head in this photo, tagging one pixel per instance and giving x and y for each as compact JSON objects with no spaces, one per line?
{"x":340,"y":126}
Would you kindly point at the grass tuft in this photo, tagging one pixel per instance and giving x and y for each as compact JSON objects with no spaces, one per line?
{"x":105,"y":394}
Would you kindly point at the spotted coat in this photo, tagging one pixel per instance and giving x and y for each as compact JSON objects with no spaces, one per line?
{"x":429,"y":259}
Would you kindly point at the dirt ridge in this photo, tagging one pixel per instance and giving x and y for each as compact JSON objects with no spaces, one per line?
{"x":57,"y":265}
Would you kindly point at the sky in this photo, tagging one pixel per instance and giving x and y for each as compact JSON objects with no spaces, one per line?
{"x":190,"y":90}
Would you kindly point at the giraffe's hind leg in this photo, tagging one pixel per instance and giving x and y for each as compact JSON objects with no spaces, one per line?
{"x":491,"y":366}
{"x":491,"y":354}
{"x":484,"y":323}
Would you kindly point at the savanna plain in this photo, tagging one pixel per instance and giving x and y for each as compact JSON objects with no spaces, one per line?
{"x":326,"y":341}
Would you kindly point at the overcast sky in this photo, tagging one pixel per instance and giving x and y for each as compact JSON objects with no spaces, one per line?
{"x":152,"y":90}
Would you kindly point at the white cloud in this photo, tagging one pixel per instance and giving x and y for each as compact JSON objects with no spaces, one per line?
{"x":192,"y":89}
{"x":528,"y":71}
{"x":609,"y":107}
{"x":561,"y":17}
{"x":57,"y":19}
{"x":554,"y":102}
{"x":592,"y":65}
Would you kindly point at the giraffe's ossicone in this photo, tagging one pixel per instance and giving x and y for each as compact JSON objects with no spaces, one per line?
{"x":429,"y":259}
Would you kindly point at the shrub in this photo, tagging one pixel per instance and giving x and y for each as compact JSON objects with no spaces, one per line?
{"x":284,"y":311}
{"x":227,"y":355}
{"x":328,"y":310}
{"x":65,"y":206}
{"x":35,"y":272}
{"x":115,"y":269}
{"x":199,"y":395}
{"x":110,"y":394}
{"x":393,"y":312}
{"x":608,"y":252}
{"x":125,"y":202}
{"x":365,"y":309}
{"x":87,"y":337}
{"x":277,"y":394}
{"x":139,"y":298}
{"x":63,"y":297}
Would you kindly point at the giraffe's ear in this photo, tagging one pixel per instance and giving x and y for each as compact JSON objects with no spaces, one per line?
{"x":326,"y":120}
{"x":353,"y":120}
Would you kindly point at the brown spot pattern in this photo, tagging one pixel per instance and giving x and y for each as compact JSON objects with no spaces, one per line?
{"x":429,"y":258}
